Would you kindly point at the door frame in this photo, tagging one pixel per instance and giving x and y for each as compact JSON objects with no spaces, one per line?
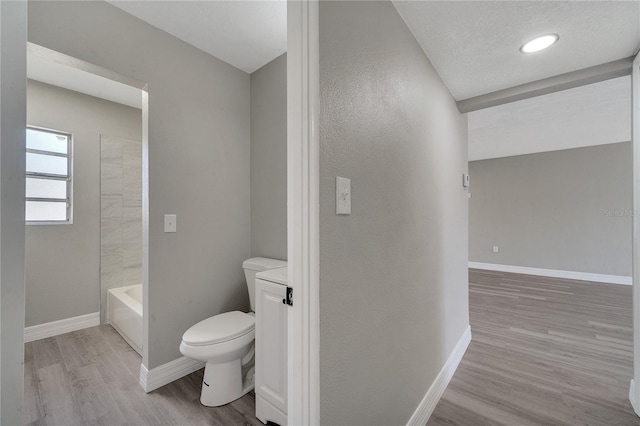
{"x":303,"y":181}
{"x":634,"y":388}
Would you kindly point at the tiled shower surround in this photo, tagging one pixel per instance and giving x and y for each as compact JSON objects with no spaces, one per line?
{"x":120,"y":215}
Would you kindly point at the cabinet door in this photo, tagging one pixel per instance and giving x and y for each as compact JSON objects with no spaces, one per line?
{"x":271,"y":343}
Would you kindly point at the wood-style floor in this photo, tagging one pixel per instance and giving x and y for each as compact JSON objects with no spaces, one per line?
{"x":90,"y":376}
{"x":544,"y":351}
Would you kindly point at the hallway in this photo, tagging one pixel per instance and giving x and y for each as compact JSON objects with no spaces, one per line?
{"x":545,"y":351}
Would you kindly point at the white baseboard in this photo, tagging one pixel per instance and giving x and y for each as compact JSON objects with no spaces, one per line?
{"x":55,"y":328}
{"x":155,"y":378}
{"x":632,"y":397}
{"x":433,"y":395}
{"x":554,"y":273}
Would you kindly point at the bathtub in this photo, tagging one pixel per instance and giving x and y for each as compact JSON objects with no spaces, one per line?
{"x":124,"y":313}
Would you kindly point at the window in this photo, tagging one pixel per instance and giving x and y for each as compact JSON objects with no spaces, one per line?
{"x":48,"y":178}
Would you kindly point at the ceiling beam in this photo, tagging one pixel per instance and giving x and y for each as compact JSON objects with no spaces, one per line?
{"x":70,"y":61}
{"x":556,"y":83}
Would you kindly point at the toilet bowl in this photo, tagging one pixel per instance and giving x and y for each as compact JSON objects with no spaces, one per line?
{"x":225,"y":342}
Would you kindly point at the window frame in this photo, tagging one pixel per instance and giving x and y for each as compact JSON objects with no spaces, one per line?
{"x":49,"y":176}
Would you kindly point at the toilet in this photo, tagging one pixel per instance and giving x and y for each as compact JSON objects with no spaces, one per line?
{"x":225,"y":342}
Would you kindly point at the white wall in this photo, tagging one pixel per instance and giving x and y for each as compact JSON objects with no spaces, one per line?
{"x":393,"y":274}
{"x":199,"y":160}
{"x":63,"y":261}
{"x":12,"y":165}
{"x":269,"y":160}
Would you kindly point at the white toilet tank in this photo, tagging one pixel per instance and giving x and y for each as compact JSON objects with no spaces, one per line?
{"x":252,"y":267}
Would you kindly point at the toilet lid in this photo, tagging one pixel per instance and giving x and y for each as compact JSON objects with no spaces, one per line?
{"x":219,"y":328}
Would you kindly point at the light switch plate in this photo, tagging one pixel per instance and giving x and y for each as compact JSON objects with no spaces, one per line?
{"x":169,"y":223}
{"x":343,"y":195}
{"x":465,"y":180}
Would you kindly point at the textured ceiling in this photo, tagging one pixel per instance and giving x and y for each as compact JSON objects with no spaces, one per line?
{"x":474,"y":44}
{"x":589,"y":115}
{"x":245,"y":34}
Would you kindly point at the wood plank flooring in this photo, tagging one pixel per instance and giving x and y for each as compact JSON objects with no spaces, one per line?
{"x":90,"y":376}
{"x":545,"y":351}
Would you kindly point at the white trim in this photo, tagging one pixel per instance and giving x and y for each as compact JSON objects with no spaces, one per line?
{"x":554,"y":273}
{"x":635,"y":137}
{"x":303,"y":106}
{"x":439,"y":385}
{"x":145,"y":226}
{"x":635,"y":404}
{"x":55,"y":328}
{"x":164,"y":374}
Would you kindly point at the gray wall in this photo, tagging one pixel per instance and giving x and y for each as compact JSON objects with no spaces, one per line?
{"x":198,"y":160}
{"x":120,"y":215}
{"x":393,"y":274}
{"x":269,"y":160}
{"x":13,"y":118}
{"x":63,"y":261}
{"x":568,"y":210}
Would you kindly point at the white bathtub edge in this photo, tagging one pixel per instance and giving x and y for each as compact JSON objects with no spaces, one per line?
{"x":125,"y":337}
{"x":124,"y":297}
{"x":124,"y":313}
{"x":164,"y":374}
{"x":55,"y":328}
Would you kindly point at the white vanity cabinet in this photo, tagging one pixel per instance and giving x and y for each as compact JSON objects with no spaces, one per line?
{"x":271,"y":346}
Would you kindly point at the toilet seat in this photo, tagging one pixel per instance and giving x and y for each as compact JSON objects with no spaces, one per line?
{"x":219,"y":328}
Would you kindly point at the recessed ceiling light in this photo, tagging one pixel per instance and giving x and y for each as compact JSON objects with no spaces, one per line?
{"x":539,"y":43}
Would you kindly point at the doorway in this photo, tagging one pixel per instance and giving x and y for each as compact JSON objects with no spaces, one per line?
{"x":73,"y":260}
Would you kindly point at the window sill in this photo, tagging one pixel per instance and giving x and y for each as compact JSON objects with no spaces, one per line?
{"x":51,"y":222}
